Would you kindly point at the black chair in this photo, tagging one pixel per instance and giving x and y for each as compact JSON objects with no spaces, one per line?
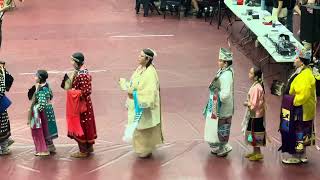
{"x":147,"y":5}
{"x":172,"y":6}
{"x":222,"y":7}
{"x":209,"y":8}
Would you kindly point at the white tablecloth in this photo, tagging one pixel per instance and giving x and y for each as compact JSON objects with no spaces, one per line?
{"x":261,"y":30}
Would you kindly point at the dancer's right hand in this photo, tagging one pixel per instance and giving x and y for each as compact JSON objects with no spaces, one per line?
{"x":123,"y":84}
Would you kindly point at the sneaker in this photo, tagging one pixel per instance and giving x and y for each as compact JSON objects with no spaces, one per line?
{"x":256,"y":157}
{"x":224,"y":150}
{"x":291,"y":161}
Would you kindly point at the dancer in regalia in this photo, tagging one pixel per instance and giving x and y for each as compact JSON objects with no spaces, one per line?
{"x":41,"y":118}
{"x":220,"y":107}
{"x":253,"y":125}
{"x":6,"y":81}
{"x":80,"y":115}
{"x":144,"y":106}
{"x":298,"y":111}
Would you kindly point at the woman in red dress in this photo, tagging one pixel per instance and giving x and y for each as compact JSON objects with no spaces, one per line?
{"x":80,"y":80}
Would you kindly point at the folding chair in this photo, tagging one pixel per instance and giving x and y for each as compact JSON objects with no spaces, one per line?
{"x":222,"y":7}
{"x":209,"y":8}
{"x":172,"y":6}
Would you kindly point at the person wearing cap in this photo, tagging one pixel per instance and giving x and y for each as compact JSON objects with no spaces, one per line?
{"x":5,"y":133}
{"x":144,"y":106}
{"x":41,"y":117}
{"x":220,"y":107}
{"x":298,"y":112}
{"x":80,"y":81}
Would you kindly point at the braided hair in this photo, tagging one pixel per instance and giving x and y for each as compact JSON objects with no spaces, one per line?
{"x":258,"y":76}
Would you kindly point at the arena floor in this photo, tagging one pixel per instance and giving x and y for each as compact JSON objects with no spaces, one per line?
{"x":43,"y":34}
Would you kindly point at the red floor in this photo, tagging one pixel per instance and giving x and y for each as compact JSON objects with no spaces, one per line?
{"x":43,"y":34}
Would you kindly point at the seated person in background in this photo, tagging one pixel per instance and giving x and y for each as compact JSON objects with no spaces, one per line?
{"x":146,"y":6}
{"x":195,"y":5}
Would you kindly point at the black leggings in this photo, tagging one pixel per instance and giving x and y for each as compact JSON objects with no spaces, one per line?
{"x":145,"y":4}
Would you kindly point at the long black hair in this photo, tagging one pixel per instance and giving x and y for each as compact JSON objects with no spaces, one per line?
{"x":229,"y":63}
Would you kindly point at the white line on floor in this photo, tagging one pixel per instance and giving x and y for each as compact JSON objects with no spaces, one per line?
{"x":62,"y":72}
{"x":143,"y":35}
{"x":27,"y":168}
